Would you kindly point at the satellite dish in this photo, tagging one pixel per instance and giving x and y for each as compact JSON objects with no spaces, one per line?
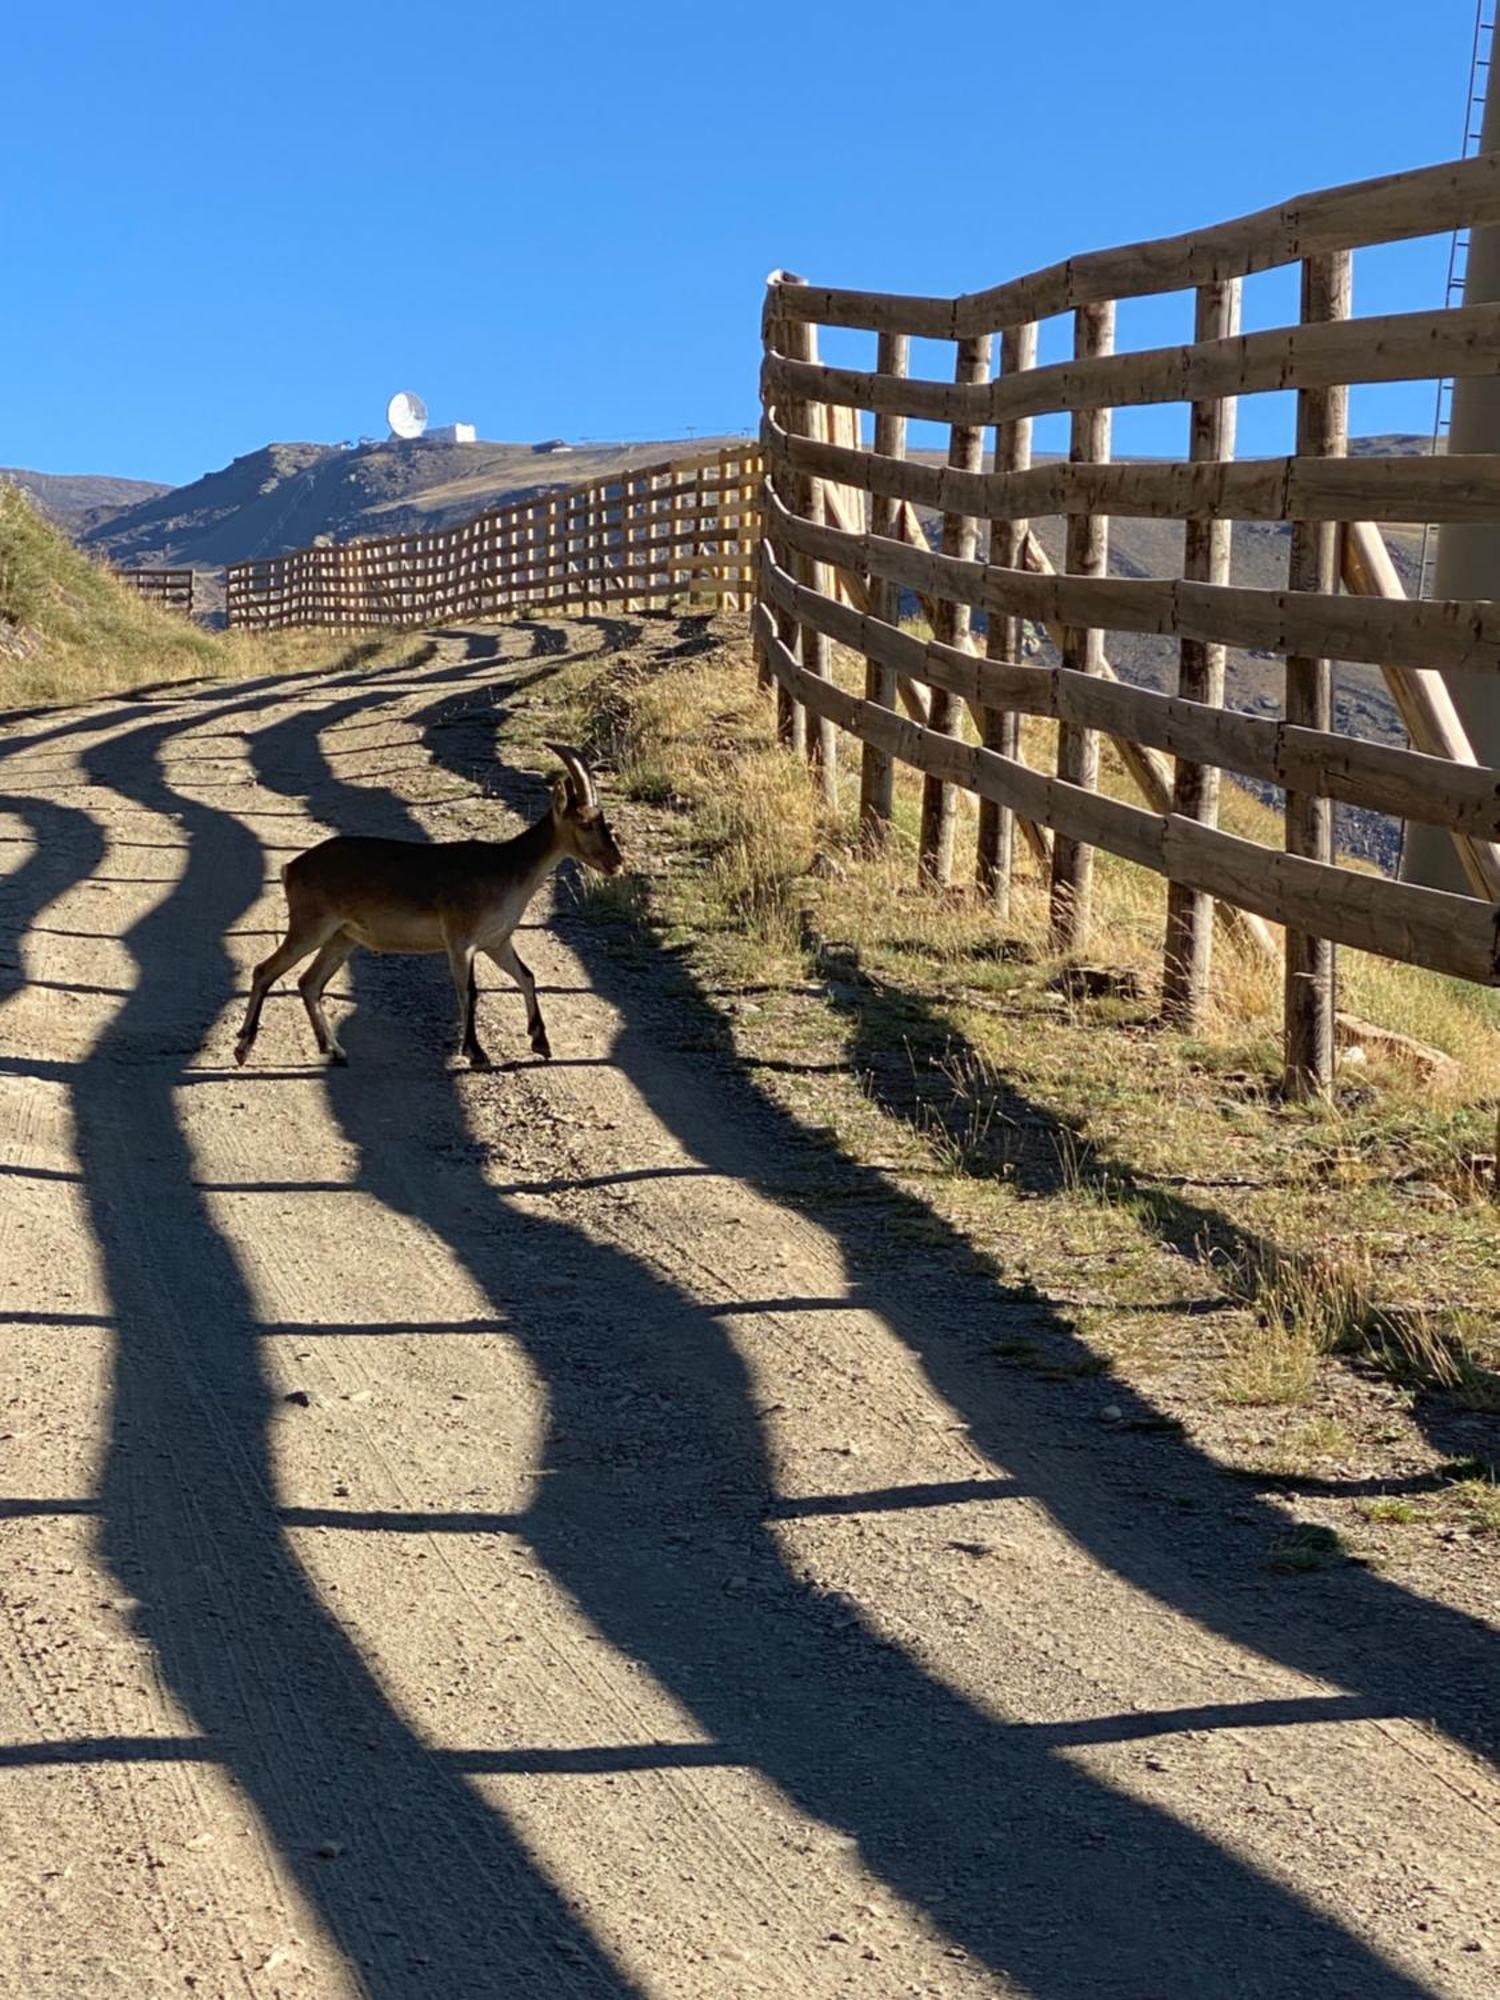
{"x":406,"y":414}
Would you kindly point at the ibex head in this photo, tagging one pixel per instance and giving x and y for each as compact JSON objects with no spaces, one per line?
{"x":580,"y":817}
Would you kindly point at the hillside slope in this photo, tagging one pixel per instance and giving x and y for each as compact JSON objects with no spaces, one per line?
{"x":286,"y":495}
{"x":82,"y":501}
{"x":70,"y":631}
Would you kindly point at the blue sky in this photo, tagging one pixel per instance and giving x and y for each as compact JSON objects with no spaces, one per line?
{"x":228,"y":224}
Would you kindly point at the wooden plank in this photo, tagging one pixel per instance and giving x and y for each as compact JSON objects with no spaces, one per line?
{"x":1427,"y":201}
{"x":1188,"y":948}
{"x":1425,"y":704}
{"x":1452,"y":934}
{"x":877,"y":771}
{"x":807,"y":500}
{"x":1087,"y":555}
{"x":1389,"y":347}
{"x":1000,"y":727}
{"x":791,"y":716}
{"x":1322,"y":429}
{"x":1272,"y":489}
{"x":951,"y":627}
{"x":1383,"y":777}
{"x":1436,"y":633}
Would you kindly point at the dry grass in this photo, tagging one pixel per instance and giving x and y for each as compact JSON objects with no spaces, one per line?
{"x":70,"y":632}
{"x":1363,"y":1226}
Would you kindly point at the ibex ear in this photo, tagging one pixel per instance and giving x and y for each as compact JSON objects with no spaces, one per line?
{"x":562,"y":796}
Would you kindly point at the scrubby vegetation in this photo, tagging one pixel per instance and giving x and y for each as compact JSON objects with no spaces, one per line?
{"x":1312,"y":1289}
{"x":69,"y":631}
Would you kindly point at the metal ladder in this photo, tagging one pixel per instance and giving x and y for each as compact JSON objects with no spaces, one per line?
{"x":1480,"y":58}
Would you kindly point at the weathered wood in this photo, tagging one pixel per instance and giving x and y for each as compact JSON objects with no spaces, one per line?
{"x":1268,"y":489}
{"x":1087,"y":554}
{"x":1428,"y":201}
{"x":1390,"y":347}
{"x":951,"y":626}
{"x":1188,"y":951}
{"x":1453,"y":934}
{"x":558,"y":550}
{"x":791,"y":717}
{"x":807,"y":499}
{"x":877,"y":772}
{"x":1424,"y":702}
{"x":171,"y":588}
{"x":1433,"y":633}
{"x":1000,"y":728}
{"x":1312,"y":565}
{"x":1384,"y":777}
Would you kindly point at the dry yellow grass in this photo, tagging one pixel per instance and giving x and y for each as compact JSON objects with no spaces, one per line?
{"x":1361,"y":1224}
{"x":69,"y":631}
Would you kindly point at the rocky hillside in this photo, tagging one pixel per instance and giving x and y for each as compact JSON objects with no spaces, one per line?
{"x":82,"y":502}
{"x":287,"y":495}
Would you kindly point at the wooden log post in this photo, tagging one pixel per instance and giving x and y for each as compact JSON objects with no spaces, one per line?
{"x":1001,"y":727}
{"x":791,"y":716}
{"x":877,"y":783}
{"x":1083,"y":647}
{"x":803,"y":419}
{"x":1313,"y":565}
{"x":1200,"y":677}
{"x":952,"y":623}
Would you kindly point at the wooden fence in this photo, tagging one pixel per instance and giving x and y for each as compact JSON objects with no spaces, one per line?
{"x":686,"y":528}
{"x":844,"y":540}
{"x":171,"y":587}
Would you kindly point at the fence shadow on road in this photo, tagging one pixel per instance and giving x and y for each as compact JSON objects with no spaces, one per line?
{"x":424,"y":1889}
{"x":655,"y":1503}
{"x":657,"y":1494}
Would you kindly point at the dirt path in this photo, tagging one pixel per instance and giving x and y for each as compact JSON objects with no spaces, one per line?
{"x":551,"y":1533}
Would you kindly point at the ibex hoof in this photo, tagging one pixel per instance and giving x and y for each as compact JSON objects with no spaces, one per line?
{"x":241,"y":1050}
{"x":543,"y":1048}
{"x":477,"y":1059}
{"x":337,"y":1058}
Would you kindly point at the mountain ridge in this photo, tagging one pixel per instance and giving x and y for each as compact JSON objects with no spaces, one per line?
{"x":287,"y":495}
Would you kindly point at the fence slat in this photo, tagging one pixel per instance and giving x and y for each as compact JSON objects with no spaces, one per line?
{"x":1000,"y":728}
{"x":877,"y":772}
{"x":609,"y":542}
{"x":171,"y":588}
{"x":951,"y":627}
{"x":1424,"y":201}
{"x":1460,"y":488}
{"x":1390,"y":347}
{"x":1313,"y":565}
{"x":1200,"y":678}
{"x":1453,"y":934}
{"x":1082,"y":647}
{"x":1433,"y":633}
{"x":1381,"y":776}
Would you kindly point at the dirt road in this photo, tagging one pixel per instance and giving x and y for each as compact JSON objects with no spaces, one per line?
{"x":552,"y":1533}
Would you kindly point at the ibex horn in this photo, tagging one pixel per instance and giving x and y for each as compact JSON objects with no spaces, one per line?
{"x":579,"y":772}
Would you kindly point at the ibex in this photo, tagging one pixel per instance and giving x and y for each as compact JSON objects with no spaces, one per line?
{"x":456,"y":896}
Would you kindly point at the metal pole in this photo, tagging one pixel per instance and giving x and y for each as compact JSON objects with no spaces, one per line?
{"x":1468,"y":552}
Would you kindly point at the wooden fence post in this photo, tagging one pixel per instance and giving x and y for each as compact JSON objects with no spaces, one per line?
{"x":1083,"y":647}
{"x":791,"y":716}
{"x":807,"y":501}
{"x":1200,"y":677}
{"x":1313,"y":564}
{"x":877,"y":778}
{"x":1001,"y":727}
{"x":952,"y":623}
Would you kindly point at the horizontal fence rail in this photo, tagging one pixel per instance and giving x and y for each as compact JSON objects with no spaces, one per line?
{"x":687,"y":528}
{"x":171,"y":587}
{"x":845,"y":551}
